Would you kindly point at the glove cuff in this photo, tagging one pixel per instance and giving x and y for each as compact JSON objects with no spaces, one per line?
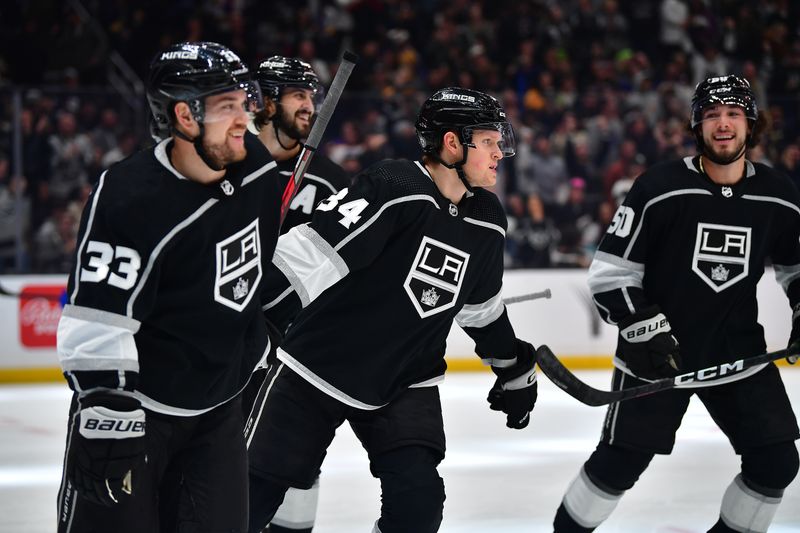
{"x":644,"y":325}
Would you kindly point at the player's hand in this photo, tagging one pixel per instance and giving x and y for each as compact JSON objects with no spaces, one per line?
{"x":106,"y":448}
{"x":647,"y":346}
{"x":794,"y":337}
{"x":515,"y":390}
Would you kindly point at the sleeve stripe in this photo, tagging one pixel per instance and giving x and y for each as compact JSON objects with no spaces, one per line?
{"x":653,"y":202}
{"x":89,"y":223}
{"x":104,"y":317}
{"x":489,"y":225}
{"x":160,"y":246}
{"x":481,"y":315}
{"x":608,"y":272}
{"x":309,"y":263}
{"x":384,"y":207}
{"x":785,"y":275}
{"x":89,"y":345}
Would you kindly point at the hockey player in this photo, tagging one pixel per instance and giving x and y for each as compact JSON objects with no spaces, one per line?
{"x":163,"y":324}
{"x":292,"y":92}
{"x":380,"y":273}
{"x":677,"y":273}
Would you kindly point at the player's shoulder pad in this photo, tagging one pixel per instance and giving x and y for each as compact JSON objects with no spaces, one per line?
{"x":666,"y":176}
{"x":486,"y":207}
{"x":403,"y":177}
{"x":323,"y":166}
{"x":775,"y":182}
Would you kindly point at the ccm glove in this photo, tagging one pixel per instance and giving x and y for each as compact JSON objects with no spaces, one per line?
{"x":515,"y":390}
{"x":794,"y":336}
{"x":106,"y":453}
{"x":647,"y":346}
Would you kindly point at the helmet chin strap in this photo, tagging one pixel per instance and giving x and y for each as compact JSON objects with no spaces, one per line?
{"x":459,"y":168}
{"x":197,"y":142}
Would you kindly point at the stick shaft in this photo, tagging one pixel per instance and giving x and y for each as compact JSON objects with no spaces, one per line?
{"x":527,"y":297}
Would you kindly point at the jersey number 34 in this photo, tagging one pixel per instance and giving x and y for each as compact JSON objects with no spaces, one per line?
{"x":350,"y":211}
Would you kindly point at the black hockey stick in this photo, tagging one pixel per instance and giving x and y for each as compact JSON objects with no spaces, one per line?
{"x":709,"y":377}
{"x":349,"y":60}
{"x":527,"y":297}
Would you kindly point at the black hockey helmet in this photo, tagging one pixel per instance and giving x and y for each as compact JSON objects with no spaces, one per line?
{"x":278,"y":72}
{"x":728,"y":90}
{"x":461,"y":111}
{"x":189,"y":72}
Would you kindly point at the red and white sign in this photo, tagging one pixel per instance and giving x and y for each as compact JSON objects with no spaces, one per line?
{"x":39,"y":312}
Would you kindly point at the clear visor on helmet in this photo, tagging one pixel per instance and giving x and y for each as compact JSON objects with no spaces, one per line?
{"x":244,"y":97}
{"x":315,"y":90}
{"x":744,"y":102}
{"x":503,"y":142}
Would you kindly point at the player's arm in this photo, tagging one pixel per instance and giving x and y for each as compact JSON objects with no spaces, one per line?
{"x":485,"y":319}
{"x":786,"y":262}
{"x":349,"y":229}
{"x":98,"y":355}
{"x":646,"y":346}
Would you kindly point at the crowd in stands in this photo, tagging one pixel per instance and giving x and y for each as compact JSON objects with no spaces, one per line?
{"x":597,"y":91}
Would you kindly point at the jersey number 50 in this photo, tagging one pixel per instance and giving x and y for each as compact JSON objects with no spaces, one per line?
{"x":622,"y":222}
{"x":101,"y":255}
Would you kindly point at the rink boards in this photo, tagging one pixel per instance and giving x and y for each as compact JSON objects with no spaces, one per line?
{"x":567,"y":322}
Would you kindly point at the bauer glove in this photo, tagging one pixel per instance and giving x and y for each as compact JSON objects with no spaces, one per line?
{"x":794,"y":336}
{"x":106,"y":448}
{"x":515,"y":390}
{"x":647,"y":346}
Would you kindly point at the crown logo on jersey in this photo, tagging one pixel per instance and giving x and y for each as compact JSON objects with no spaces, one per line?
{"x":720,"y":273}
{"x":429,"y":297}
{"x":241,"y":289}
{"x":227,"y":188}
{"x":727,"y":192}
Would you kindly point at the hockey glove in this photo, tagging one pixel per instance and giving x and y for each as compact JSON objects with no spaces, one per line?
{"x":515,"y":390}
{"x":106,"y":450}
{"x":646,"y":345}
{"x":794,"y":336}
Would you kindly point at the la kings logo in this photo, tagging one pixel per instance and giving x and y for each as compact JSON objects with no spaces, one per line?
{"x":238,"y":267}
{"x":436,"y":276}
{"x":721,"y":254}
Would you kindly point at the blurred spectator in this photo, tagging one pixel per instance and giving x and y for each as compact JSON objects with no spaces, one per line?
{"x":72,"y":153}
{"x":789,"y":162}
{"x":531,"y":235}
{"x":14,"y":216}
{"x":545,"y":173}
{"x":54,"y":242}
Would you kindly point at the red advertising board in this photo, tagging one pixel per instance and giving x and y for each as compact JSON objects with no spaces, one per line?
{"x":39,"y":312}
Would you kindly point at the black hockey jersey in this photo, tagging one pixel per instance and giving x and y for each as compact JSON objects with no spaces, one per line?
{"x":381,"y":273}
{"x":322,"y":179}
{"x":698,"y":250}
{"x":164,"y":296}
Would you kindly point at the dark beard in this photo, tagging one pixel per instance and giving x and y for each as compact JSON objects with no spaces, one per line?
{"x":220,"y":155}
{"x":287,"y":126}
{"x":724,"y":159}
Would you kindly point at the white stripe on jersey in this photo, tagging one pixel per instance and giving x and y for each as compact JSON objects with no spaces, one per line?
{"x":90,"y":339}
{"x":309,"y":263}
{"x":609,"y":272}
{"x":312,"y":177}
{"x":383,"y":208}
{"x":653,"y":201}
{"x":89,"y":223}
{"x":779,"y":201}
{"x":160,"y":246}
{"x":786,"y":274}
{"x":489,"y":225}
{"x":258,"y":173}
{"x":321,"y":384}
{"x":480,"y":315}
